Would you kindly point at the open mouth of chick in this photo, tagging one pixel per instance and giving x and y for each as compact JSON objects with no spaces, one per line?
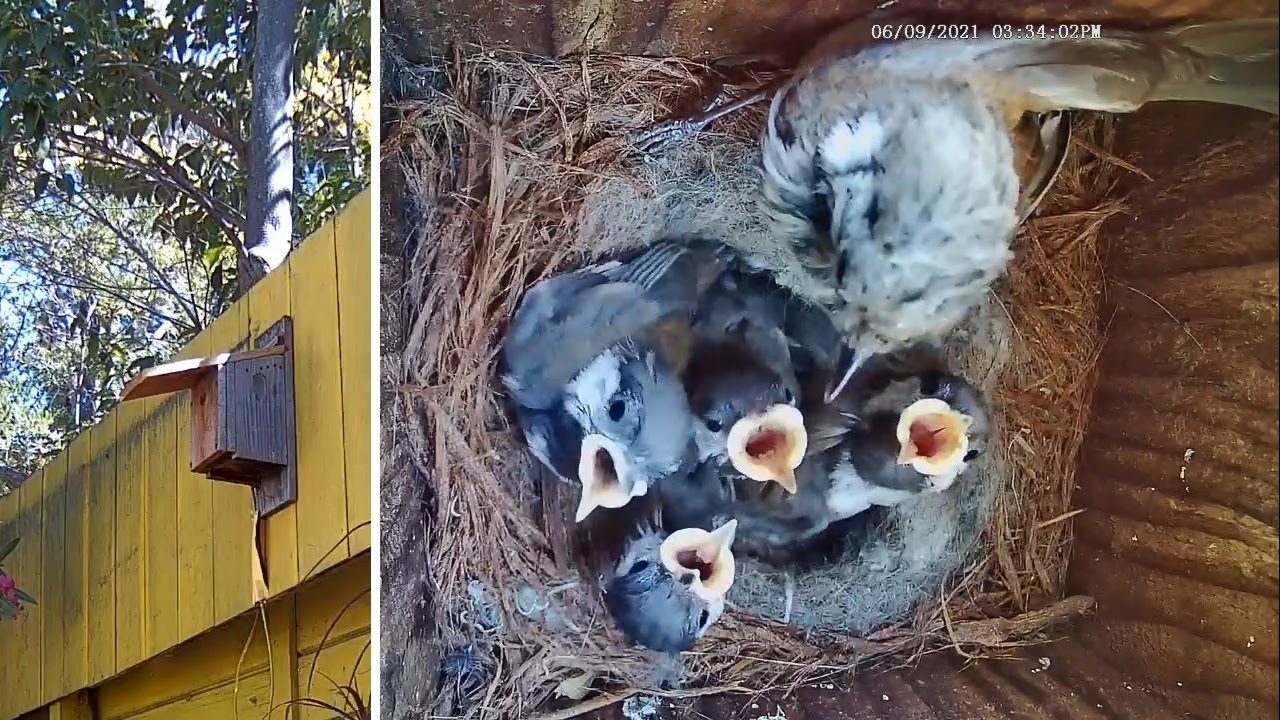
{"x":934,"y":437}
{"x":601,"y":472}
{"x":770,"y":445}
{"x":706,"y":554}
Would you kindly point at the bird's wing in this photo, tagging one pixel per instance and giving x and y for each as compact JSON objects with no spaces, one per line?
{"x":1234,"y":62}
{"x":561,"y":325}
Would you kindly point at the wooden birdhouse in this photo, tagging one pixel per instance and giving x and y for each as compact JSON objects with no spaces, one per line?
{"x":242,"y":414}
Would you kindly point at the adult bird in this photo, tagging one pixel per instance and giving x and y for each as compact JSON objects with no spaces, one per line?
{"x":893,"y":171}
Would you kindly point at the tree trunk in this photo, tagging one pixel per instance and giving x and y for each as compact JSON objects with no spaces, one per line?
{"x":270,"y":230}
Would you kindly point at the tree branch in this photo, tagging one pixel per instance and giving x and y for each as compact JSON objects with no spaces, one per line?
{"x":186,"y":306}
{"x":186,"y":112}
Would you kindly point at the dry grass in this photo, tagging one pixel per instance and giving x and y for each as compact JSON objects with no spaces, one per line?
{"x":499,"y":164}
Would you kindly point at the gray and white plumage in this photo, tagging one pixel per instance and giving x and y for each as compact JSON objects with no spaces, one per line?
{"x":596,"y":353}
{"x":661,"y":605}
{"x":852,"y":464}
{"x":892,"y":169}
{"x":863,"y":463}
{"x":741,"y":361}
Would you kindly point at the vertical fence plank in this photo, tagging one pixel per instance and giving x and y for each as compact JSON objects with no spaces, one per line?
{"x":161,"y":494}
{"x":233,"y":552}
{"x":10,"y":652}
{"x":53,"y":588}
{"x":75,"y":663}
{"x":29,"y":574}
{"x":195,"y":519}
{"x":269,"y":301}
{"x":322,"y":502}
{"x":131,"y":529}
{"x":355,"y":324}
{"x":100,"y":523}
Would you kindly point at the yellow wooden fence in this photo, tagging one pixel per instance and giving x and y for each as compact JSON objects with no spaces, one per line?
{"x":129,"y":554}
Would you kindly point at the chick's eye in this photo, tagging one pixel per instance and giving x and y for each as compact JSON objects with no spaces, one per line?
{"x":788,"y":395}
{"x":970,"y":455}
{"x":704,"y":618}
{"x":713,"y":424}
{"x":640,"y":566}
{"x":617,"y":409}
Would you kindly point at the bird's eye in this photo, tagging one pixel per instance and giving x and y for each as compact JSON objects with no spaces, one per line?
{"x":686,"y":579}
{"x":704,"y":618}
{"x":970,"y":455}
{"x":788,"y":395}
{"x":713,"y":425}
{"x":640,"y":566}
{"x":617,"y":409}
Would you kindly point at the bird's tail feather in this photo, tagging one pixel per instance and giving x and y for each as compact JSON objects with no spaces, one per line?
{"x":1235,"y":62}
{"x":1241,"y":64}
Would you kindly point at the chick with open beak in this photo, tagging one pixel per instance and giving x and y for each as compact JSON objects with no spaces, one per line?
{"x":741,"y":380}
{"x":917,"y":434}
{"x":592,"y":362}
{"x":668,"y":589}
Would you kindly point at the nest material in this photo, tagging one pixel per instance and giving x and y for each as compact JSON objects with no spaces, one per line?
{"x":506,"y":159}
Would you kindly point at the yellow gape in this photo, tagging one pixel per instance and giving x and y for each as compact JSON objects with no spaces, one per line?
{"x":934,"y":437}
{"x":707,"y":554}
{"x":769,"y":446}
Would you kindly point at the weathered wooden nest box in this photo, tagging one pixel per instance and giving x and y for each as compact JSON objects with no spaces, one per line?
{"x":242,"y":415}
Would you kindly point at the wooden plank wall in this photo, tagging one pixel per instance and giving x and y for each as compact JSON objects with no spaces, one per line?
{"x":206,"y":679}
{"x":129,"y":553}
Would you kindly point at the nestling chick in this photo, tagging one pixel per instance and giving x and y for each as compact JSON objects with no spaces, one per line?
{"x":918,"y":434}
{"x":592,"y":361}
{"x":892,"y":170}
{"x":669,"y":588}
{"x":741,"y":383}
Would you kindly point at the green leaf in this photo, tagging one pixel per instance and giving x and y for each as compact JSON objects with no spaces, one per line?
{"x":7,"y":611}
{"x":24,"y":597}
{"x":213,"y":256}
{"x":139,"y":127}
{"x":8,"y":548}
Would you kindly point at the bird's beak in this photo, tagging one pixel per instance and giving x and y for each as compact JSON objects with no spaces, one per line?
{"x":709,"y":554}
{"x":605,"y":476}
{"x":846,"y":366}
{"x":933,"y":437}
{"x":769,"y":445}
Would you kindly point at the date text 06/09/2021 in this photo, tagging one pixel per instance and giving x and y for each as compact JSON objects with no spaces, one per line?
{"x":952,"y":31}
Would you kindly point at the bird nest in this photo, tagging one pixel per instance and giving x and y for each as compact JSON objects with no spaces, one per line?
{"x":515,"y":167}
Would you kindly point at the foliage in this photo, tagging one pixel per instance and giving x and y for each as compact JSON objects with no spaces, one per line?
{"x":11,"y":598}
{"x":122,"y":196}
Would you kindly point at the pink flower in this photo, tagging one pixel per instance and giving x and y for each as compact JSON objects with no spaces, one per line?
{"x":6,"y":584}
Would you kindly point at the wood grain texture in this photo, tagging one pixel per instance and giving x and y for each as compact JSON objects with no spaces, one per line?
{"x":709,"y":28}
{"x":195,"y":518}
{"x":131,"y":529}
{"x":268,"y":303}
{"x":354,"y":247}
{"x":100,"y":518}
{"x":322,"y":495}
{"x":161,"y":490}
{"x":75,"y":578}
{"x":233,"y":514}
{"x":1181,"y":452}
{"x":52,"y":588}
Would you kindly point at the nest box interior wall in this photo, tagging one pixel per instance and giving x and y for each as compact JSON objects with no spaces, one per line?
{"x":710,"y":28}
